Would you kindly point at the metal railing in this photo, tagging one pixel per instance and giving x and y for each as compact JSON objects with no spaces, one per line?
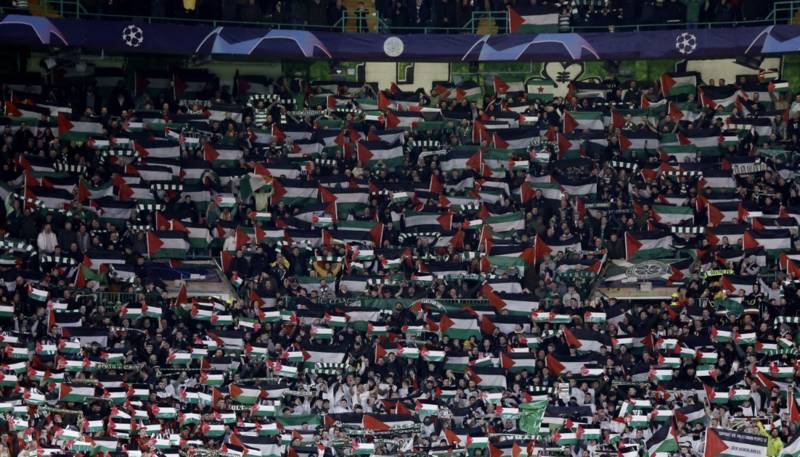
{"x":669,"y":26}
{"x":784,"y":12}
{"x":116,"y":299}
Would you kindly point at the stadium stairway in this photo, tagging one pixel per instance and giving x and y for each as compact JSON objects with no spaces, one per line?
{"x":351,"y":5}
{"x":487,"y":26}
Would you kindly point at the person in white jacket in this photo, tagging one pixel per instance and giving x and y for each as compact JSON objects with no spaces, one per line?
{"x":47,"y":240}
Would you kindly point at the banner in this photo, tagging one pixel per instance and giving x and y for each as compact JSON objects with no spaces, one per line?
{"x":203,"y":39}
{"x":530,"y":416}
{"x":730,"y":443}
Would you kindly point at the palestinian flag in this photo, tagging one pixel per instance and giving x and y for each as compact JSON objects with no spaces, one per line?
{"x":518,"y":361}
{"x":36,"y":164}
{"x":371,"y":153}
{"x":721,"y":335}
{"x":733,"y":443}
{"x":96,"y":258}
{"x":69,"y":393}
{"x":691,"y":413}
{"x":324,"y":354}
{"x":585,"y":340}
{"x":578,"y":187}
{"x":511,"y":222}
{"x":24,"y":111}
{"x":733,"y":232}
{"x":252,"y":183}
{"x":715,"y":96}
{"x":459,"y":325}
{"x":462,"y":158}
{"x":673,"y":215}
{"x":776,"y":371}
{"x":502,"y":87}
{"x":773,"y":241}
{"x":189,"y":83}
{"x":664,"y":440}
{"x":398,"y":100}
{"x":708,"y":139}
{"x":291,"y":131}
{"x":167,"y":244}
{"x":362,"y":448}
{"x":38,"y":294}
{"x":403,"y":119}
{"x":72,"y":128}
{"x":252,"y":85}
{"x":646,"y":244}
{"x":514,"y":138}
{"x":157,"y":148}
{"x":582,"y":120}
{"x":88,"y":192}
{"x":734,"y":283}
{"x":639,"y":140}
{"x":513,"y":304}
{"x":442,"y":221}
{"x":544,"y":247}
{"x":488,"y":377}
{"x":214,"y":154}
{"x":53,"y":198}
{"x":572,"y":364}
{"x":294,"y":191}
{"x":673,"y":84}
{"x":469,"y":90}
{"x":244,"y":395}
{"x":533,"y":19}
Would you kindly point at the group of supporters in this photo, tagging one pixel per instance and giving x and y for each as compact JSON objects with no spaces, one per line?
{"x":414,"y":272}
{"x":431,"y":16}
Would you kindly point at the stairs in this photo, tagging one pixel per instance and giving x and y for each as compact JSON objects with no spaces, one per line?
{"x":47,"y":8}
{"x":487,"y":26}
{"x":351,"y":6}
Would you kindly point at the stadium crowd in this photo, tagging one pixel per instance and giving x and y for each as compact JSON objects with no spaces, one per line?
{"x":415,"y":272}
{"x":400,"y":15}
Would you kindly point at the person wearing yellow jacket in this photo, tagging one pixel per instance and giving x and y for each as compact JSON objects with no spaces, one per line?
{"x":774,"y":442}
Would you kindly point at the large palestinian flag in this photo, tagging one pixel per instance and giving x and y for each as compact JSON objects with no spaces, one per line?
{"x":730,"y":443}
{"x":533,"y":19}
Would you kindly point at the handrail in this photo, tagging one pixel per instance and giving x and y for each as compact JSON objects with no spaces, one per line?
{"x":783,"y":12}
{"x":784,"y":6}
{"x":117,"y":299}
{"x":670,"y":26}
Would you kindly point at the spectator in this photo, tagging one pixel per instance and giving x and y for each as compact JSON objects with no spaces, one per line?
{"x":360,"y":13}
{"x":725,"y":12}
{"x":318,"y":12}
{"x":693,"y":8}
{"x":228,"y":8}
{"x":336,"y":11}
{"x":47,"y":241}
{"x":410,"y":288}
{"x":418,"y":13}
{"x":67,"y":237}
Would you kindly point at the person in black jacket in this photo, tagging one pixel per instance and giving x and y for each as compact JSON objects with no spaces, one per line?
{"x":419,"y":13}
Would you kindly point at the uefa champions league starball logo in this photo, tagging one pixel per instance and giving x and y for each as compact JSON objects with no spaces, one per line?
{"x":133,"y":36}
{"x":686,"y":43}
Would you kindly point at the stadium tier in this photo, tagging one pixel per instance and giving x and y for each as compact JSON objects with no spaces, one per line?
{"x":388,"y":228}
